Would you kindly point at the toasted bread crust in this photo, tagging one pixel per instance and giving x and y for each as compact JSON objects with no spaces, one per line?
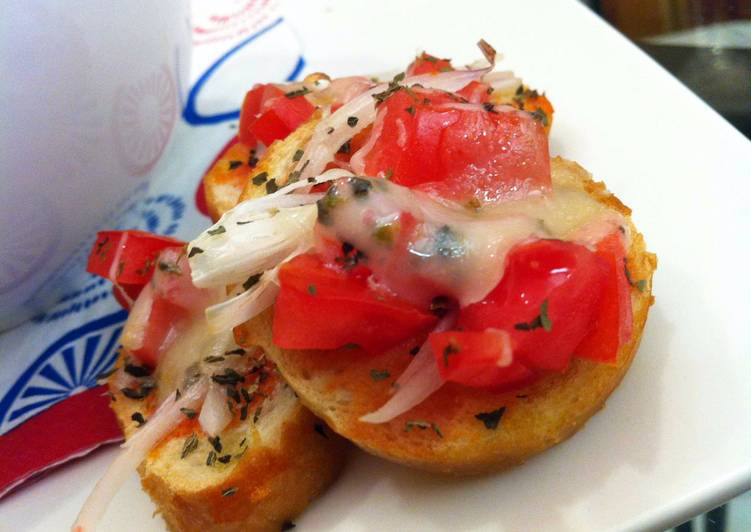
{"x":337,"y":386}
{"x":275,"y":481}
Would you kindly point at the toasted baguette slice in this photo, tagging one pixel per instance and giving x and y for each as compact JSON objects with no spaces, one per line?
{"x":444,"y":433}
{"x":281,"y":455}
{"x":278,"y":459}
{"x":228,"y":182}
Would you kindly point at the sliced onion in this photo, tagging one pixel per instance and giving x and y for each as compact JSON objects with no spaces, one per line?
{"x":244,"y":250}
{"x":418,"y":382}
{"x":135,"y":327}
{"x":358,"y":158}
{"x":244,"y":306}
{"x":335,"y":130}
{"x":135,"y":450}
{"x":502,"y":81}
{"x":215,"y":414}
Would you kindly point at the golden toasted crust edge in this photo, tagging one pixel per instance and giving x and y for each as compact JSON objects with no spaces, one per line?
{"x":339,"y":389}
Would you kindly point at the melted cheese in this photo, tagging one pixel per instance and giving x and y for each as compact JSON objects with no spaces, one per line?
{"x":451,"y":250}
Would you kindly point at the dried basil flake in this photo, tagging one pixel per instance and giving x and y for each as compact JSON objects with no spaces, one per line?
{"x":491,"y":419}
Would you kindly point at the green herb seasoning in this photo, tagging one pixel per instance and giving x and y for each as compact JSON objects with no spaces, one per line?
{"x":230,"y":377}
{"x":235,"y":164}
{"x":190,"y":445}
{"x":195,"y":250}
{"x":189,"y":412}
{"x":386,"y":233}
{"x":298,"y":155}
{"x":143,"y":391}
{"x":319,"y":428}
{"x":138,"y":418}
{"x":491,"y":419}
{"x":312,"y":289}
{"x":218,"y":230}
{"x":360,"y":187}
{"x":450,"y":349}
{"x":297,"y":93}
{"x":169,"y":267}
{"x":136,"y":370}
{"x":211,"y":458}
{"x":271,"y":186}
{"x":541,"y":116}
{"x":260,"y":179}
{"x":216,"y":443}
{"x":410,"y":110}
{"x":641,"y":285}
{"x":213,"y":359}
{"x":345,"y":148}
{"x":352,"y":121}
{"x":422,"y":425}
{"x":545,"y":320}
{"x":252,"y":281}
{"x":379,"y":374}
{"x":239,"y":352}
{"x":542,"y":320}
{"x":229,"y":491}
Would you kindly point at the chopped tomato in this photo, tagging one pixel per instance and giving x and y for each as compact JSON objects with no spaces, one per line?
{"x":163,"y":307}
{"x":172,"y":282}
{"x":127,"y":258}
{"x":353,"y":145}
{"x":547,"y":301}
{"x":428,"y":64}
{"x":324,"y":307}
{"x":476,"y":92}
{"x":478,"y":359}
{"x":613,"y":321}
{"x":464,"y":152}
{"x":268,"y":114}
{"x":164,"y":319}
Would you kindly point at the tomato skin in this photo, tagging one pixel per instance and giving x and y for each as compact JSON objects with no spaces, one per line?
{"x":268,"y":115}
{"x":428,"y":64}
{"x":251,"y":108}
{"x":127,"y":257}
{"x":613,"y":323}
{"x":476,"y":92}
{"x":567,"y":278}
{"x":472,"y":358}
{"x":321,"y":307}
{"x":459,"y":153}
{"x":163,"y":322}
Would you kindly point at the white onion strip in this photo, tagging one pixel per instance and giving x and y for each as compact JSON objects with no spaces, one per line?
{"x":418,"y":382}
{"x":215,"y":414}
{"x":256,"y":234}
{"x":241,"y":251}
{"x":135,"y":450}
{"x":249,"y":304}
{"x":244,"y":306}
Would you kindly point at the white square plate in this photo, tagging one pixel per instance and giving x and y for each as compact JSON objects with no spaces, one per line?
{"x":675,"y":437}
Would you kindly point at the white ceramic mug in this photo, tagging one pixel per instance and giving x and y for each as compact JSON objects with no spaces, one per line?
{"x":89,"y":92}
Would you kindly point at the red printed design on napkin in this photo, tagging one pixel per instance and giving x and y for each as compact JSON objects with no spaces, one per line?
{"x":69,"y":429}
